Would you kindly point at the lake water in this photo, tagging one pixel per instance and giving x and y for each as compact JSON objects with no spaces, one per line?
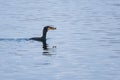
{"x":85,"y":46}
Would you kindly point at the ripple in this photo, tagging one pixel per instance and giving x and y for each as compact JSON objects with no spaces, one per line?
{"x":98,"y":31}
{"x":116,"y":50}
{"x":114,"y":41}
{"x":116,"y":4}
{"x":114,"y":56}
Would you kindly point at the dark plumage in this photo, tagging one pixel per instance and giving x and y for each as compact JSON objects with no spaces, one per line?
{"x":45,"y":30}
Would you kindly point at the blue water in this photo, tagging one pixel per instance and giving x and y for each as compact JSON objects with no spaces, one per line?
{"x":85,"y":46}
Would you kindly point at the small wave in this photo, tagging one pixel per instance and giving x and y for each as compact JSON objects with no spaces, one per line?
{"x":116,"y":4}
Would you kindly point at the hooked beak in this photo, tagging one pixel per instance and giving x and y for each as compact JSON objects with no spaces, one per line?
{"x":51,"y":28}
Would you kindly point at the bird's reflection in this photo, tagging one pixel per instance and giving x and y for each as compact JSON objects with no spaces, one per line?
{"x":47,"y":51}
{"x":45,"y":45}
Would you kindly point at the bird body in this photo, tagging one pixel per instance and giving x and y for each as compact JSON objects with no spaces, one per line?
{"x":43,"y":38}
{"x":37,"y":39}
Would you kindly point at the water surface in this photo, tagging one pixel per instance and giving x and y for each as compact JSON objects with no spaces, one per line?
{"x":85,"y":46}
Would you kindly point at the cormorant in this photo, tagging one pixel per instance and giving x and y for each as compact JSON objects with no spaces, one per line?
{"x":43,"y":38}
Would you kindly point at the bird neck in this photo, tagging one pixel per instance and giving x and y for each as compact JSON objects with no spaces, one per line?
{"x":44,"y":34}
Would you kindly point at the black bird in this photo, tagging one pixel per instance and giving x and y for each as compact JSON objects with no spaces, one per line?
{"x":43,"y":38}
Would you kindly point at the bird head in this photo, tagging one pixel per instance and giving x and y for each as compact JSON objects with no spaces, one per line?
{"x":50,"y":28}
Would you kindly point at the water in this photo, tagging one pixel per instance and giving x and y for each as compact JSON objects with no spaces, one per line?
{"x":85,"y":46}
